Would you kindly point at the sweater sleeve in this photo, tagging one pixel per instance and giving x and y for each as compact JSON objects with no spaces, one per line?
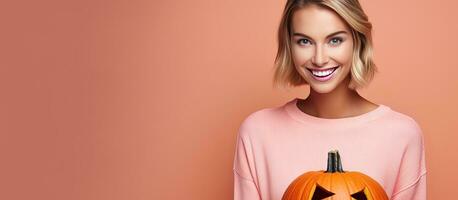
{"x":245,"y":188}
{"x":411,"y":180}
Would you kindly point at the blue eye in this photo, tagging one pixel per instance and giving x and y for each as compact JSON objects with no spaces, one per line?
{"x":299,"y":41}
{"x":336,"y":41}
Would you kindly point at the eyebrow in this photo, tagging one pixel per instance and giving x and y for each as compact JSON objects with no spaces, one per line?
{"x":330,"y":35}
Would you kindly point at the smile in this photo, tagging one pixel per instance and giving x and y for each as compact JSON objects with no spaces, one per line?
{"x":323,"y":75}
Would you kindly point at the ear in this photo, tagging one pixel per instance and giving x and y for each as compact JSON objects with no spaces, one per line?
{"x":320,"y":193}
{"x":359,"y":195}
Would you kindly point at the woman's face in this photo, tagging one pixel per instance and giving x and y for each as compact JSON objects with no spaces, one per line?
{"x":322,"y":47}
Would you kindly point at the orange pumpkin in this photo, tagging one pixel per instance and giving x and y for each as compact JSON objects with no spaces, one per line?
{"x":334,"y":184}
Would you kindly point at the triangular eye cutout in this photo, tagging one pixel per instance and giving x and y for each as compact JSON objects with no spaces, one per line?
{"x":359,"y":195}
{"x":321,"y":193}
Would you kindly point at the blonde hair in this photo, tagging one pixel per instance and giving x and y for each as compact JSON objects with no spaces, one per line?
{"x":363,"y":67}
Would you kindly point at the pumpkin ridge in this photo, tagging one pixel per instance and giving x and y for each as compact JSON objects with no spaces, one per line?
{"x":374,"y":184}
{"x":343,"y":176}
{"x":299,"y":184}
{"x":296,"y":185}
{"x":362,"y":178}
{"x":325,"y":180}
{"x":313,"y":181}
{"x":307,"y":183}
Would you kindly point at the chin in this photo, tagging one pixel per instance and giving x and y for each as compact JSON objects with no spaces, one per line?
{"x":322,"y":88}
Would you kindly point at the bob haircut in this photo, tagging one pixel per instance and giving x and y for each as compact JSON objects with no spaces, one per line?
{"x":363,"y":67}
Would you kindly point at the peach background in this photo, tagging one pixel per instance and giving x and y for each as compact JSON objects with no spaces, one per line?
{"x":142,"y":99}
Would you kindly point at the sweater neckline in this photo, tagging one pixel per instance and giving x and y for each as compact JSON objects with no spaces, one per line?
{"x":294,"y":111}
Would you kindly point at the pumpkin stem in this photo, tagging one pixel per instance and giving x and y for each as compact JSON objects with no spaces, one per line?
{"x":334,"y":162}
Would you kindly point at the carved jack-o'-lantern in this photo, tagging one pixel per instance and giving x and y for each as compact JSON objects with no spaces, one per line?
{"x":334,"y":184}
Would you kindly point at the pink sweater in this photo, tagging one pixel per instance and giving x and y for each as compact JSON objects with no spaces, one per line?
{"x":276,"y":145}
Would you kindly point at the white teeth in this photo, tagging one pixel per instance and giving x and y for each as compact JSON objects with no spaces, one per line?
{"x":322,"y":73}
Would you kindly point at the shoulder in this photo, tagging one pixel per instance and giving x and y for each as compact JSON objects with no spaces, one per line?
{"x":403,"y":125}
{"x":261,"y":120}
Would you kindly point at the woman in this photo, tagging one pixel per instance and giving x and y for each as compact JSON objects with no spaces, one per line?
{"x":327,"y":44}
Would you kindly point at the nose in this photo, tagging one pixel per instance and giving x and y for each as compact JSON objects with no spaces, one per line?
{"x":320,"y":58}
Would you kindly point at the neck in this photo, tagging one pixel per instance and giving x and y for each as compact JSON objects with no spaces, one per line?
{"x":336,"y":104}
